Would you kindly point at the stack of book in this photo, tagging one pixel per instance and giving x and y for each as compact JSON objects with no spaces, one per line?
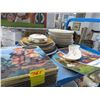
{"x":45,"y":43}
{"x":87,"y":64}
{"x":61,"y":37}
{"x":17,"y":62}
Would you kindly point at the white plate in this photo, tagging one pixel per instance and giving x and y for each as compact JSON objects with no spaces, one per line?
{"x":37,"y":38}
{"x":61,"y":31}
{"x":67,"y":35}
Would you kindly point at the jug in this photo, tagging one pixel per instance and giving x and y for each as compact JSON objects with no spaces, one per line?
{"x":74,"y":52}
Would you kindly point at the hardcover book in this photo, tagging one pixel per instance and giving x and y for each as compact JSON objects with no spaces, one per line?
{"x":88,"y":58}
{"x":17,"y":62}
{"x":82,"y":65}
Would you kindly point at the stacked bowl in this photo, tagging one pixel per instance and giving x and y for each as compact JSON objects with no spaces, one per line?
{"x":45,"y":43}
{"x":61,"y":37}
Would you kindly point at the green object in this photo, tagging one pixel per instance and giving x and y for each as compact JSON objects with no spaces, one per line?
{"x":77,"y":67}
{"x":4,"y":22}
{"x":84,"y":69}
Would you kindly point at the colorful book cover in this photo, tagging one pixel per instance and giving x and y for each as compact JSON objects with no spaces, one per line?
{"x":87,"y":58}
{"x":17,"y":61}
{"x":80,"y":65}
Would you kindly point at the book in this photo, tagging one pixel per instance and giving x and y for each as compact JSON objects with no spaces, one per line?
{"x":77,"y":67}
{"x":95,"y":76}
{"x":82,"y":65}
{"x":88,"y":58}
{"x":17,"y":62}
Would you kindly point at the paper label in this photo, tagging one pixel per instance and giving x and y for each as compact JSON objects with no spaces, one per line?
{"x":37,"y":77}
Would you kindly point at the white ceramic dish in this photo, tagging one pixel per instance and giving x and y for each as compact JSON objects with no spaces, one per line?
{"x":60,"y":31}
{"x":37,"y":38}
{"x":73,"y":54}
{"x":67,"y":35}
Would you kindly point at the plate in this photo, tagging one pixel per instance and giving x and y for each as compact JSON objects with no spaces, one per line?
{"x":37,"y":38}
{"x":60,"y":31}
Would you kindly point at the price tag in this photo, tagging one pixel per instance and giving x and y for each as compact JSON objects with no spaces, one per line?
{"x":37,"y":77}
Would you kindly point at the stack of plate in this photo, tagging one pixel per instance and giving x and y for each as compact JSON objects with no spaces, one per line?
{"x":61,"y":37}
{"x":47,"y":44}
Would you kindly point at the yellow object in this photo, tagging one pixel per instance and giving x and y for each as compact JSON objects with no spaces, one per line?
{"x":37,"y":77}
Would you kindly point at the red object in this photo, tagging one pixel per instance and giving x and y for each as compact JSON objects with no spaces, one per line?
{"x":45,"y":20}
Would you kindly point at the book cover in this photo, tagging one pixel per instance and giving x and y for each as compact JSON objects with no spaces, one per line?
{"x":77,"y":66}
{"x":87,"y":58}
{"x":18,"y":61}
